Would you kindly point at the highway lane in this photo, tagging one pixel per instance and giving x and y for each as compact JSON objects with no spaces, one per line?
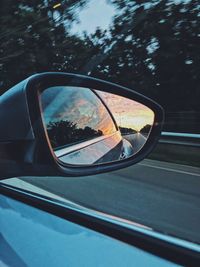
{"x":163,"y":196}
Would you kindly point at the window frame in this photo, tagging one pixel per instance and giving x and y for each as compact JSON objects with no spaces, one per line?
{"x":165,"y":249}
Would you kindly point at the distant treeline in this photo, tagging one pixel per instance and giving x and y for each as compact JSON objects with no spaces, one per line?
{"x":125,"y":130}
{"x":63,"y":133}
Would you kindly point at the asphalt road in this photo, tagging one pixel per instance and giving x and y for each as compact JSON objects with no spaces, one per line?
{"x":163,"y":196}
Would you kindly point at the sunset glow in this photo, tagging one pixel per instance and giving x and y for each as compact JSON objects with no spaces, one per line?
{"x":128,"y":113}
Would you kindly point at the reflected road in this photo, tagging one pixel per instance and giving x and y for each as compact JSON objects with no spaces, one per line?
{"x":137,"y":140}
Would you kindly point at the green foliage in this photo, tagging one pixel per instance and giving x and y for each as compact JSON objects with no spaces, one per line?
{"x":125,"y":130}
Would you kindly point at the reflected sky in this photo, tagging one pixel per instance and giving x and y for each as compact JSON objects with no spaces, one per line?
{"x":78,"y":105}
{"x":83,"y":107}
{"x":73,"y":115}
{"x":128,"y":113}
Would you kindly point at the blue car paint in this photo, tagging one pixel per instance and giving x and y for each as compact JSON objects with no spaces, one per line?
{"x":31,"y":237}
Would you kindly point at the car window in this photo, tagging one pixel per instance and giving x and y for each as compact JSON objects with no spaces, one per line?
{"x":152,"y":47}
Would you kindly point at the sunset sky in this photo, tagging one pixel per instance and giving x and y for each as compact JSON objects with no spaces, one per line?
{"x":82,"y":107}
{"x":128,"y":113}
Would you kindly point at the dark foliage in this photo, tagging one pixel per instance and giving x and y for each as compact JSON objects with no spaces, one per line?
{"x":63,"y":133}
{"x":152,"y":47}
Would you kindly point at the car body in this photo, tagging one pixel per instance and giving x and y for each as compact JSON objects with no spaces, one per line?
{"x":32,"y":237}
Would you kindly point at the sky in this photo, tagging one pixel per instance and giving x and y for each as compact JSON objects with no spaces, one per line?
{"x":128,"y":113}
{"x":96,"y":14}
{"x":99,"y":13}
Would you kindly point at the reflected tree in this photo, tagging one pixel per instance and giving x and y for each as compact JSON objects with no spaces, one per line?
{"x":64,"y":133}
{"x":125,"y":130}
{"x":146,"y":129}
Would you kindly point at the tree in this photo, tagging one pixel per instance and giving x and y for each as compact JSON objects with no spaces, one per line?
{"x":33,"y":39}
{"x":157,"y":52}
{"x":151,"y":46}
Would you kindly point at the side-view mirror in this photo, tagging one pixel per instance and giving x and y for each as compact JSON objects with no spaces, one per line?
{"x":72,"y":125}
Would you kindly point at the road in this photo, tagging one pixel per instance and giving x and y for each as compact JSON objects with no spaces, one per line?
{"x":161,"y":195}
{"x":137,"y":140}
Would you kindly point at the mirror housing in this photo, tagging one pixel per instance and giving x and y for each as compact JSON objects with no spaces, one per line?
{"x":25,"y":149}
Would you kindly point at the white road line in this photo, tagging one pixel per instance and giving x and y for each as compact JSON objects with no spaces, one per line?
{"x":169,"y":169}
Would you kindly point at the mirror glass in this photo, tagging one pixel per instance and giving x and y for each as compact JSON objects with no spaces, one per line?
{"x":87,"y":126}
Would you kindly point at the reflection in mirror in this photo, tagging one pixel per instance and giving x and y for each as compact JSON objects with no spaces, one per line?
{"x":86,"y":126}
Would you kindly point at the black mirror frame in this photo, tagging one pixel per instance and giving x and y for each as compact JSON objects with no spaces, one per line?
{"x":37,"y":156}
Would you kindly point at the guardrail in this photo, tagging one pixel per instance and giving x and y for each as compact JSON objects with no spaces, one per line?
{"x":182,"y":148}
{"x":185,"y":139}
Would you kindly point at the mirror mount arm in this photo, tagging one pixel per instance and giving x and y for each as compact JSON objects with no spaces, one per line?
{"x":14,"y":116}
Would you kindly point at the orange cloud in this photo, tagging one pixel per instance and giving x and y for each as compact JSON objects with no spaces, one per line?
{"x":128,"y":113}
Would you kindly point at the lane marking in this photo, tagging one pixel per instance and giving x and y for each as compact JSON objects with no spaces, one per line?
{"x":169,"y":169}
